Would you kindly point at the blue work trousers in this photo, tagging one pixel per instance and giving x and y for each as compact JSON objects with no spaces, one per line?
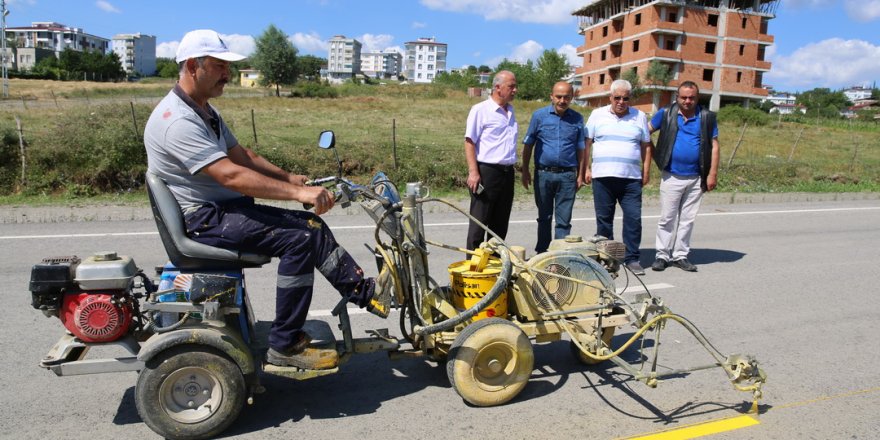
{"x":301,"y":240}
{"x":607,"y":193}
{"x":554,"y":196}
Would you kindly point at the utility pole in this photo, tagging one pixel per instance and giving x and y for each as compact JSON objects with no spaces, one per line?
{"x":3,"y":56}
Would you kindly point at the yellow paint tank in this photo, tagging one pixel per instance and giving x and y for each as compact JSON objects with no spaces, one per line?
{"x":471,"y":282}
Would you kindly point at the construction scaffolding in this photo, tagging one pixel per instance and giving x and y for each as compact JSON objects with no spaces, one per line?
{"x":601,"y":10}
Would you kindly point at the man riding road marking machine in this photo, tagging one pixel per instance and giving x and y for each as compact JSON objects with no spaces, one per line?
{"x":199,"y":350}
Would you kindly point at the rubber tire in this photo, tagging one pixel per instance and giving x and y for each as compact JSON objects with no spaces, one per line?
{"x":213,"y":367}
{"x":472,"y":351}
{"x":607,"y":335}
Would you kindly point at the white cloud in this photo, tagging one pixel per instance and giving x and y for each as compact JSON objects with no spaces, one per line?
{"x":107,"y":7}
{"x":375,"y":43}
{"x":570,"y":54}
{"x":310,"y":42}
{"x":477,"y":54}
{"x":832,"y":63}
{"x":419,"y":25}
{"x":530,"y":50}
{"x":167,"y":49}
{"x":242,"y":44}
{"x":528,"y":11}
{"x":863,"y":10}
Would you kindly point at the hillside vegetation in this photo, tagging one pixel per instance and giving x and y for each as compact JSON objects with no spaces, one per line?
{"x":84,"y":139}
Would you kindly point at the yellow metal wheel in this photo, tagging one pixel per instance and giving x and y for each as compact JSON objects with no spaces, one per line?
{"x":607,"y":335}
{"x":490,"y":362}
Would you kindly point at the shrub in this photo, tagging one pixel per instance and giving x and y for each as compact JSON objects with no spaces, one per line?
{"x":738,"y":115}
{"x":313,"y":90}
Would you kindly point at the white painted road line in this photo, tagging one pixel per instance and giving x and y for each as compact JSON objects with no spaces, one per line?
{"x":438,"y":225}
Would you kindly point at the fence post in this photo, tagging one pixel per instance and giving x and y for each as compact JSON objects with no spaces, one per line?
{"x":254,"y":127}
{"x":791,"y":154}
{"x":54,"y":98}
{"x":394,"y":142}
{"x":733,"y":153}
{"x":134,"y":122}
{"x":23,"y":104}
{"x":21,"y":147}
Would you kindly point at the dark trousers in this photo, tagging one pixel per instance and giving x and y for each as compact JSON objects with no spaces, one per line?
{"x":300,"y":239}
{"x":609,"y":191}
{"x":493,"y":206}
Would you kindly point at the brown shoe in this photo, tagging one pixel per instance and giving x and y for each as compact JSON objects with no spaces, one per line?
{"x":312,"y":358}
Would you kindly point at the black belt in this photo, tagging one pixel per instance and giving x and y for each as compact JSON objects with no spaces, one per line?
{"x":556,"y":169}
{"x":496,"y":165}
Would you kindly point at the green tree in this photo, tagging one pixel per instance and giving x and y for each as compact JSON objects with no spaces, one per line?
{"x":657,"y":78}
{"x":484,"y":68}
{"x":821,"y":100}
{"x":275,"y":58}
{"x":632,"y":76}
{"x":309,"y":67}
{"x":166,"y":68}
{"x":460,"y":80}
{"x":551,"y":68}
{"x":528,"y":84}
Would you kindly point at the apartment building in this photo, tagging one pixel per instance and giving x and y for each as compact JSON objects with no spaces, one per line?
{"x":379,"y":65}
{"x":718,"y":44}
{"x":424,"y":59}
{"x":136,"y":52}
{"x":56,"y":37}
{"x":343,"y":58}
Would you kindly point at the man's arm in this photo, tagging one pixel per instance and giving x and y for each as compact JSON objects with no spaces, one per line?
{"x":470,"y":155}
{"x":526,"y":158}
{"x":647,"y":149}
{"x":250,"y":159}
{"x":712,"y":179}
{"x":253,"y":183}
{"x":580,"y":177}
{"x":584,"y":165}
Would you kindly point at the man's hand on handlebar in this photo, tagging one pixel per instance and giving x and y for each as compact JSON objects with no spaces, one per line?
{"x":318,"y":197}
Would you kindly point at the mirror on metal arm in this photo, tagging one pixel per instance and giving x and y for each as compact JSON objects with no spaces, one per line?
{"x":327,"y":140}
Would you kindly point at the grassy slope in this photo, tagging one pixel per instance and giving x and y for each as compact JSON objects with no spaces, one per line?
{"x":429,"y":129}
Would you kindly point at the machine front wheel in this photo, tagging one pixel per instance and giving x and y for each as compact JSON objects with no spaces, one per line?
{"x":607,"y":335}
{"x":189,"y":392}
{"x":490,"y":362}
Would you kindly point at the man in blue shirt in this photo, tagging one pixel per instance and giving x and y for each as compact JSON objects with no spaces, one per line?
{"x":557,"y":134}
{"x":687,"y":154}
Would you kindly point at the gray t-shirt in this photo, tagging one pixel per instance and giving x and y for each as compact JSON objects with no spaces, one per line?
{"x":179,"y":144}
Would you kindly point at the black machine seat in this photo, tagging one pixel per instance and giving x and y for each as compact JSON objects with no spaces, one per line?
{"x":185,"y":253}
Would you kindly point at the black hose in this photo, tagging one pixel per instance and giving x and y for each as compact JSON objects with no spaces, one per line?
{"x":492,"y":296}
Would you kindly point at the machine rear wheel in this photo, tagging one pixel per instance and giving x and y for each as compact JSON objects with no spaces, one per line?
{"x":490,"y":362}
{"x":607,"y":335}
{"x":189,"y":392}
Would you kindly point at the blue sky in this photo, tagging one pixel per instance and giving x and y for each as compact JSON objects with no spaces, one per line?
{"x":819,"y":43}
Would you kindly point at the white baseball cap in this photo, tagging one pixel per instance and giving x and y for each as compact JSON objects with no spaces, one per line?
{"x":205,"y":42}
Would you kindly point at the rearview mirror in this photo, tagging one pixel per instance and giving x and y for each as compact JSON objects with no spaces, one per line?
{"x":327,"y":140}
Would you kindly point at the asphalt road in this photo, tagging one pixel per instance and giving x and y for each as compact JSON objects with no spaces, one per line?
{"x":793,"y":284}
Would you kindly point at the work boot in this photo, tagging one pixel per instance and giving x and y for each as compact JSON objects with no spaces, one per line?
{"x":301,"y":355}
{"x":660,"y":265}
{"x":380,"y":302}
{"x":684,"y":265}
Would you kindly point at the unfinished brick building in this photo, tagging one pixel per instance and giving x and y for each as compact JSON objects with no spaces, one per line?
{"x":718,"y":44}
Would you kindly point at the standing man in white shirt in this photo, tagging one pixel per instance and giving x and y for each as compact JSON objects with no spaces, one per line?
{"x":618,"y":165}
{"x":490,"y":151}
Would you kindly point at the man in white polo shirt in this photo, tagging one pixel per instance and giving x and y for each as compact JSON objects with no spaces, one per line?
{"x":490,"y":151}
{"x":617,"y":165}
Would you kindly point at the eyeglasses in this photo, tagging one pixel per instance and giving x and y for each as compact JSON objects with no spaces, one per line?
{"x":620,"y":98}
